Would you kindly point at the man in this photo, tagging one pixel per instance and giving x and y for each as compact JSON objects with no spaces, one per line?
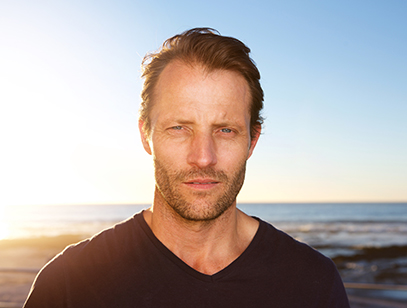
{"x":200,"y":120}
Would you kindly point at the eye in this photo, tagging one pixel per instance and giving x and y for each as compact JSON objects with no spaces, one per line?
{"x":226,"y":130}
{"x":177,"y":130}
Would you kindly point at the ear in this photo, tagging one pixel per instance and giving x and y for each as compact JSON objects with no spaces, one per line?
{"x":144,"y":137}
{"x":254,"y":140}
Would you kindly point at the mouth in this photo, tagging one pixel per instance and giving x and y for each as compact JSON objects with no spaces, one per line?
{"x":202,"y":183}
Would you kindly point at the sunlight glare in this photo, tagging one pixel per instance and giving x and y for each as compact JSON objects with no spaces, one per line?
{"x":4,"y":224}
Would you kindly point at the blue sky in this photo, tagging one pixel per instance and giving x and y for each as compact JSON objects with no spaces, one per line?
{"x":334,"y":76}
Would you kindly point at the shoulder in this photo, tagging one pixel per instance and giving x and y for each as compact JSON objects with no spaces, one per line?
{"x":294,"y":257}
{"x":286,"y":247}
{"x":85,"y":263}
{"x":300,"y":271}
{"x":109,"y":244}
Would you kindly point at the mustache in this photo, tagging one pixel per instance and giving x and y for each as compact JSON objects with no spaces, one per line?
{"x":186,"y":175}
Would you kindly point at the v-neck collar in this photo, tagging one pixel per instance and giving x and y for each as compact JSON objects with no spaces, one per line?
{"x":191,"y":271}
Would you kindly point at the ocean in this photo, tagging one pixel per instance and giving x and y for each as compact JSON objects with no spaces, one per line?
{"x":332,"y":227}
{"x":367,"y":241}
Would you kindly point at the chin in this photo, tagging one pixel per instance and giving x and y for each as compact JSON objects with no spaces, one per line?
{"x":202,"y":212}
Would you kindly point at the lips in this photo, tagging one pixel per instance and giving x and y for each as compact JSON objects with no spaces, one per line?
{"x":201,"y":183}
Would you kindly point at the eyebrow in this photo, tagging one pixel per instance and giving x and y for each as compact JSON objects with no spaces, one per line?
{"x":183,"y":121}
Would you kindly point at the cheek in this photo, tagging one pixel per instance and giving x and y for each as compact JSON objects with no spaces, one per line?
{"x":232,"y":158}
{"x":233,"y":149}
{"x":169,"y":155}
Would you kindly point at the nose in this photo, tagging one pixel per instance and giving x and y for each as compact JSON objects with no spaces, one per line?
{"x":202,"y":151}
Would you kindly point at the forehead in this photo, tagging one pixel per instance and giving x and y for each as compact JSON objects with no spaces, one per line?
{"x":185,"y":88}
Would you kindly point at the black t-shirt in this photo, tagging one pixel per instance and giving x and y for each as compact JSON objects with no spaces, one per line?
{"x":127,"y":266}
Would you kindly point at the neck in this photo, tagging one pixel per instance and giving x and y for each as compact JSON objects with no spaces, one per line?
{"x":208,"y":247}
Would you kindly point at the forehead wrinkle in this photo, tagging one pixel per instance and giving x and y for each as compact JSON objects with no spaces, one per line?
{"x":202,"y":73}
{"x":191,"y":114}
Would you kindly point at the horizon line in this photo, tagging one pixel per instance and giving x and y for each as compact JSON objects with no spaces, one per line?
{"x":243,"y":202}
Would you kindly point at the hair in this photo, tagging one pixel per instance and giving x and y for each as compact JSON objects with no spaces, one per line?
{"x":204,"y":46}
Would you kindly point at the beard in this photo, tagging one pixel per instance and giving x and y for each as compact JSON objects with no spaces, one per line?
{"x":199,"y":205}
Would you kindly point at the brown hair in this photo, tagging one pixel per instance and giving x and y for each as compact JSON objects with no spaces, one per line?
{"x":207,"y":47}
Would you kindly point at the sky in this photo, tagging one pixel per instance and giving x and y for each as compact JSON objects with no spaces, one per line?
{"x":334,"y":75}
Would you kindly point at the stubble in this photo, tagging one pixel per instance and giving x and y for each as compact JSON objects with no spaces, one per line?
{"x":198,"y":206}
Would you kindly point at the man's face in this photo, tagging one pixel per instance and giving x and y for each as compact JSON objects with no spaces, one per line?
{"x":200,"y":139}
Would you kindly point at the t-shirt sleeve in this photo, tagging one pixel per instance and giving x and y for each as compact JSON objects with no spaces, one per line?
{"x":48,"y":289}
